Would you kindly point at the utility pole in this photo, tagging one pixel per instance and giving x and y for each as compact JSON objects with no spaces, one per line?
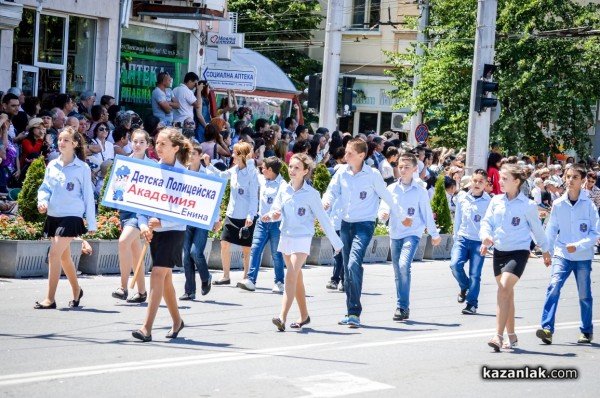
{"x":331,"y":65}
{"x":417,"y":118}
{"x":479,"y":122}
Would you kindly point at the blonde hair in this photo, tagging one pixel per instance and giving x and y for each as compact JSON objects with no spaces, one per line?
{"x":306,"y":161}
{"x":141,"y":132}
{"x":242,"y":149}
{"x":178,"y":139}
{"x":517,"y":172}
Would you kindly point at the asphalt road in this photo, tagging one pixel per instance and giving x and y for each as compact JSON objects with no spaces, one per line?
{"x":229,"y":346}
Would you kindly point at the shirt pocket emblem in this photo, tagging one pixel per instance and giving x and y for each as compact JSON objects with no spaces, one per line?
{"x":411,"y":211}
{"x":583,"y":227}
{"x":477,"y":218}
{"x":363,"y":195}
{"x":70,"y":186}
{"x":301,"y":211}
{"x":241,"y":191}
{"x":515,"y":221}
{"x":270,"y":200}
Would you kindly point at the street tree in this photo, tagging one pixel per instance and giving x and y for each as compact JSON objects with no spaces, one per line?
{"x":548,"y":73}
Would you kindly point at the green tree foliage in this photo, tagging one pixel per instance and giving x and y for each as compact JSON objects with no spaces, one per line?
{"x":440,"y":207}
{"x":321,"y":178}
{"x":281,"y":31}
{"x":544,"y":81}
{"x":28,"y":196}
{"x":285,"y":174}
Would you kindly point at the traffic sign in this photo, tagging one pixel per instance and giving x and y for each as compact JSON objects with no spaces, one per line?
{"x":227,"y":77}
{"x":422,"y":132}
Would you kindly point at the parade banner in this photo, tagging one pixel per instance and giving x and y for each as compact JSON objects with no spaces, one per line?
{"x":161,"y":191}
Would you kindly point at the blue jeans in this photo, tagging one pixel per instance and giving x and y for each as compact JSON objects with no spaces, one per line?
{"x":403,"y":252}
{"x":194,"y":244}
{"x":561,"y":269}
{"x":263,"y":232}
{"x":356,"y":237}
{"x":467,"y":250}
{"x":338,"y":266}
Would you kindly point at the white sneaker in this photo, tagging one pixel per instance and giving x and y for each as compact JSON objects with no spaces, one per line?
{"x":246,"y":284}
{"x":278,"y":288}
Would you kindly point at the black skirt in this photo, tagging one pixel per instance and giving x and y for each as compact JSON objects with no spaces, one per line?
{"x":512,"y":261}
{"x":166,"y":248}
{"x":231,"y":231}
{"x":68,"y":227}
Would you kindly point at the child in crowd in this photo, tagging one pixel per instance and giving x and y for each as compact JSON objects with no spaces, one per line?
{"x":470,"y":210}
{"x":66,"y":194}
{"x":166,"y":240}
{"x":509,"y":221}
{"x":413,"y":198}
{"x":358,"y":187}
{"x":298,"y":204}
{"x":571,"y":232}
{"x":270,"y":182}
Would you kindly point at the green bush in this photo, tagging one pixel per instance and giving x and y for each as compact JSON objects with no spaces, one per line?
{"x":321,"y":178}
{"x":222,"y":211}
{"x":28,"y":196}
{"x":103,"y":210}
{"x":285,"y":174}
{"x":440,"y":207}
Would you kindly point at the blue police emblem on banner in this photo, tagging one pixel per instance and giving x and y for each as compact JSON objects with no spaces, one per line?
{"x":241,"y":191}
{"x":70,"y":186}
{"x":270,"y":200}
{"x":515,"y":221}
{"x":411,"y":211}
{"x":477,"y":218}
{"x":583,"y":227}
{"x":301,"y":211}
{"x":363,"y":195}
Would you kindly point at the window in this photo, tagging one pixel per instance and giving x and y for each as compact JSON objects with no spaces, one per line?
{"x":367,"y":122}
{"x":365,"y":14}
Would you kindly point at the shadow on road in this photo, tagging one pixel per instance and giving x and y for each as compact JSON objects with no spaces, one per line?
{"x":520,"y":351}
{"x":446,"y":325}
{"x":94,"y":310}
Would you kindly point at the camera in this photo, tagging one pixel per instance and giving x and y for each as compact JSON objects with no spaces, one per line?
{"x":204,"y":82}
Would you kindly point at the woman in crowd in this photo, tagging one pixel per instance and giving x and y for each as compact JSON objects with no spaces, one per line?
{"x":166,"y":241}
{"x":213,"y":144}
{"x":130,"y":248}
{"x":509,"y":221}
{"x":298,"y":204}
{"x":9,"y":166}
{"x":493,"y":166}
{"x":66,"y":194}
{"x":32,"y":147}
{"x":238,"y":226}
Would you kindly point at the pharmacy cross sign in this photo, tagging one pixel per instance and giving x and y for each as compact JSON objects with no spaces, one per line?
{"x":225,"y":40}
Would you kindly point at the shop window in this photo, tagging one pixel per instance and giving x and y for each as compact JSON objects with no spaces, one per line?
{"x":23,"y":41}
{"x":81,"y":54}
{"x":51,"y":39}
{"x":365,"y":14}
{"x":367,"y":123}
{"x":386,"y":122}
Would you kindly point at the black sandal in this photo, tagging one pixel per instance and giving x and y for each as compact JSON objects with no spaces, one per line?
{"x":173,"y":335}
{"x":39,"y":306}
{"x":296,"y":325}
{"x":138,"y":298}
{"x":279,"y":323}
{"x":75,"y":303}
{"x":141,"y":336}
{"x":120,"y":294}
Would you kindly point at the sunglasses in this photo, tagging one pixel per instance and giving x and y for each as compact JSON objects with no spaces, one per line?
{"x":102,"y":129}
{"x":190,"y":123}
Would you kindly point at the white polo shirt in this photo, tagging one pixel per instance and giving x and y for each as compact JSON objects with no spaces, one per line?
{"x":186,"y":98}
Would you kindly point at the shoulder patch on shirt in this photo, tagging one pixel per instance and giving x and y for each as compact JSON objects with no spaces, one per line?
{"x":515,"y":221}
{"x":363,"y":195}
{"x":411,"y":211}
{"x":70,"y":186}
{"x":301,"y":211}
{"x":241,"y":191}
{"x":270,"y":200}
{"x":583,"y":227}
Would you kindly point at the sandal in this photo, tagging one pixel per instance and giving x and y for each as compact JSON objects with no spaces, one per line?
{"x":511,"y":343}
{"x":496,"y":342}
{"x":75,"y":303}
{"x":222,"y":281}
{"x":138,"y":298}
{"x":298,"y":325}
{"x":279,"y":323}
{"x":120,"y":294}
{"x":40,"y":306}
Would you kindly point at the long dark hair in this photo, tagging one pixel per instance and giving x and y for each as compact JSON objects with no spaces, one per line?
{"x":79,"y":139}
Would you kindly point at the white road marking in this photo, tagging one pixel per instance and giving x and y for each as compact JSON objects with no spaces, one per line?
{"x":31,"y":377}
{"x":337,"y":384}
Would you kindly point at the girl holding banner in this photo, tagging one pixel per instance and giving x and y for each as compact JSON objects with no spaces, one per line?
{"x":166,"y":240}
{"x":129,"y":241}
